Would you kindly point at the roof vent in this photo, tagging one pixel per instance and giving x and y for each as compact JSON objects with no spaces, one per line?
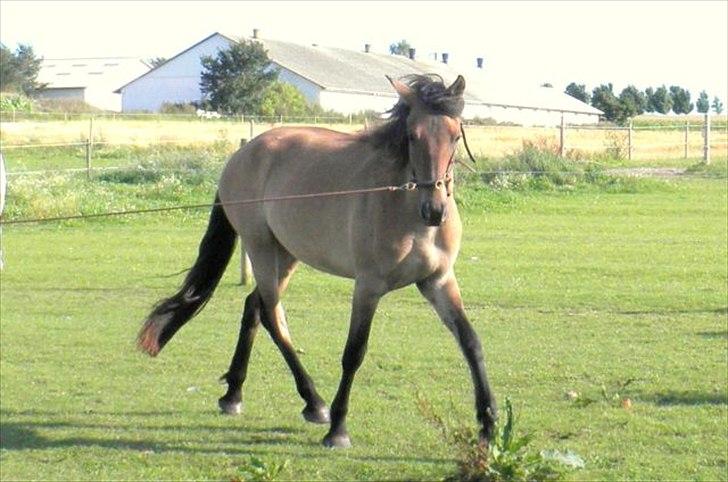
{"x":412,"y":54}
{"x":367,"y":48}
{"x":255,"y":33}
{"x":479,"y":62}
{"x":445,"y":56}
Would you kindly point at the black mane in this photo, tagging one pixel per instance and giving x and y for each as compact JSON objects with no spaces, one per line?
{"x":432,"y":92}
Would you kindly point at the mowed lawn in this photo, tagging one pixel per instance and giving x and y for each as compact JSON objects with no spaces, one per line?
{"x":586,"y":291}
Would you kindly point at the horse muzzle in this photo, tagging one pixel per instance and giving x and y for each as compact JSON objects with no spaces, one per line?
{"x":434,"y":214}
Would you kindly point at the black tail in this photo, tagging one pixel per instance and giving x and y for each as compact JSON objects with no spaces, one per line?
{"x":170,"y":314}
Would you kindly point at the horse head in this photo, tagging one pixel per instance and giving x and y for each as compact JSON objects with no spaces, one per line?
{"x":432,"y":130}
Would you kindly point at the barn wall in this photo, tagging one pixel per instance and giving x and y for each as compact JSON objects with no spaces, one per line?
{"x":176,"y":81}
{"x":69,"y":93}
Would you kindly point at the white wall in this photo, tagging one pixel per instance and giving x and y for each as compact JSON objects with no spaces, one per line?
{"x":176,"y":81}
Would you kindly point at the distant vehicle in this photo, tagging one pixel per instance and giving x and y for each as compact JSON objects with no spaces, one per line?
{"x":206,"y":114}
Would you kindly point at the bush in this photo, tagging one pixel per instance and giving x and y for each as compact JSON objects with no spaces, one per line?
{"x":538,"y":165}
{"x":15,"y":102}
{"x":178,"y":108}
{"x":71,"y":106}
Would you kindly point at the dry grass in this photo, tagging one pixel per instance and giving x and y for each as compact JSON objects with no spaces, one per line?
{"x":486,"y":141}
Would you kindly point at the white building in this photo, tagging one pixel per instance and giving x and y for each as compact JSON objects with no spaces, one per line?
{"x":349,"y":81}
{"x":91,"y":80}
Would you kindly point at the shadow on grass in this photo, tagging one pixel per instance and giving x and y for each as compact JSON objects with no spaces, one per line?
{"x":28,"y":436}
{"x":718,"y":311}
{"x":714,"y":334}
{"x":674,"y":397}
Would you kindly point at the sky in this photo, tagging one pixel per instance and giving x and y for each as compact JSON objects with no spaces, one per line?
{"x":645,"y":43}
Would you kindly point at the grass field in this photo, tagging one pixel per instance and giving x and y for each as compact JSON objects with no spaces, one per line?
{"x":584,"y":289}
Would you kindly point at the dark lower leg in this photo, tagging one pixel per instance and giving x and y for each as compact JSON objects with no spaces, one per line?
{"x":315,"y":410}
{"x":356,"y":347}
{"x":236,"y":374}
{"x":444,"y":295}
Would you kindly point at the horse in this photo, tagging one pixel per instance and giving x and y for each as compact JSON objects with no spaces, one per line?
{"x":382,"y":240}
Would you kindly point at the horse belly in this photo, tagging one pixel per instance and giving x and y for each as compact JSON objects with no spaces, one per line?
{"x":316,"y":233}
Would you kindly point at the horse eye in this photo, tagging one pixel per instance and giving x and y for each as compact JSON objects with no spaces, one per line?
{"x":411,"y":137}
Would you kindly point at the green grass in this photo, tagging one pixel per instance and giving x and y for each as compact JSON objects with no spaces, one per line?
{"x":569,"y":288}
{"x":112,"y":156}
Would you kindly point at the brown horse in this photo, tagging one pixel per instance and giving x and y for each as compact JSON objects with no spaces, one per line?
{"x":383,"y":240}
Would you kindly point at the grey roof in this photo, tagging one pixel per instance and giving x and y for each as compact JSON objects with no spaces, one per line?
{"x":345,"y":70}
{"x":357,"y":71}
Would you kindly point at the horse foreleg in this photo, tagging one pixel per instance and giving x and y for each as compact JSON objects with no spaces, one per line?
{"x":444,"y":295}
{"x":231,"y":402}
{"x":363,"y":307}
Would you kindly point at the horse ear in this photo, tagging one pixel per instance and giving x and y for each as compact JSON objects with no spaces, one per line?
{"x":405,"y":91}
{"x":458,"y":87}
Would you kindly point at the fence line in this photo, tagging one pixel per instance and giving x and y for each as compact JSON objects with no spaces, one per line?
{"x":563,"y":130}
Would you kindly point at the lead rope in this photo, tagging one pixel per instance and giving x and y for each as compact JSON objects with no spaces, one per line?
{"x":465,"y":143}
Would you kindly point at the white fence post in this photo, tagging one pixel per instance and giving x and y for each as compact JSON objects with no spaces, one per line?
{"x":687,"y":132}
{"x":706,"y":138}
{"x":562,"y":137}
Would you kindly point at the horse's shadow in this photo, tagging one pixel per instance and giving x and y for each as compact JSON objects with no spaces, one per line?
{"x":674,"y":397}
{"x":234,"y":439}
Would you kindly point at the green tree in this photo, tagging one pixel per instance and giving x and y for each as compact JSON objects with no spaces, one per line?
{"x":633,"y":102}
{"x":235,"y":81}
{"x":717,"y":105}
{"x":659,"y":100}
{"x":400,"y":48}
{"x":702,"y":105}
{"x":578,"y":91}
{"x":603,"y":98}
{"x":19,"y":69}
{"x":680,"y":100}
{"x":283,"y":99}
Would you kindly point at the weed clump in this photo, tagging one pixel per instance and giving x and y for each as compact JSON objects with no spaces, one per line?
{"x":507,"y":458}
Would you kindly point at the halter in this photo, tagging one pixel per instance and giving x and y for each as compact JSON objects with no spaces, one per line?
{"x":446,"y":180}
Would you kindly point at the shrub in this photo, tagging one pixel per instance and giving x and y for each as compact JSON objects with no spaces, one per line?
{"x":538,"y":165}
{"x":71,"y":106}
{"x":178,"y":108}
{"x":15,"y":102}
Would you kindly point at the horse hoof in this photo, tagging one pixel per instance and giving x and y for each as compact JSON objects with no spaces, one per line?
{"x":337,"y":441}
{"x":316,"y":415}
{"x":230,"y":408}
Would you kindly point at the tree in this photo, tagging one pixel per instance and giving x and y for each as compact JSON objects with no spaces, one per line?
{"x":717,"y":105}
{"x":283,"y":99}
{"x":236,"y":80}
{"x":702,"y":104}
{"x":400,"y":48}
{"x":658,"y":100}
{"x":156,"y":61}
{"x":548,"y":85}
{"x":680,"y":100}
{"x":603,"y":98}
{"x":19,"y":69}
{"x":578,"y":91}
{"x":633,"y":102}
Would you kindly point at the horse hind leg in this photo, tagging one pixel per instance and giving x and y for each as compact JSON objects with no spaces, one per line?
{"x":273,"y":267}
{"x":231,"y":403}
